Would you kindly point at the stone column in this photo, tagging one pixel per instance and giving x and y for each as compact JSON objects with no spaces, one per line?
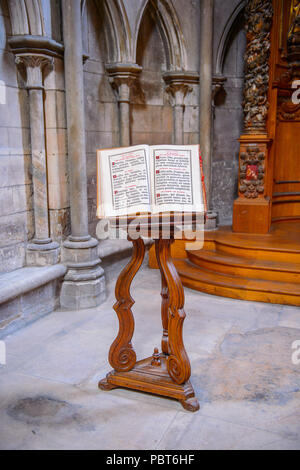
{"x":42,"y":251}
{"x":178,"y":85}
{"x":122,"y":77}
{"x":84,"y":284}
{"x":205,"y":94}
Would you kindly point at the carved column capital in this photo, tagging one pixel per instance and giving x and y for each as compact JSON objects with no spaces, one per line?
{"x":122,"y":77}
{"x":34,"y":65}
{"x":258,"y":18}
{"x":178,"y":85}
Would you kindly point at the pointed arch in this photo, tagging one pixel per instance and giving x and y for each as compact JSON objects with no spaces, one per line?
{"x":26,"y":17}
{"x":117,"y":31}
{"x":226,"y":34}
{"x":170,"y":29}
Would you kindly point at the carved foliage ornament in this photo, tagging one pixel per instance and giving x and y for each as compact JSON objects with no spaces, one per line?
{"x":258,"y":17}
{"x":33,"y":65}
{"x":287,"y":110}
{"x":252,"y":170}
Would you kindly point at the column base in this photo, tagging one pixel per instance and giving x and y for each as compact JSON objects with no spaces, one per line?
{"x":84,"y":283}
{"x":42,"y":253}
{"x":211,"y":221}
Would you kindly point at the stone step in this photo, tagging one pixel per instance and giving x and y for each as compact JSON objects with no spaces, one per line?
{"x":28,"y":293}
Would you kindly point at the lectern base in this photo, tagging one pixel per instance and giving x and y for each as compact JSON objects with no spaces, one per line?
{"x":146,"y":377}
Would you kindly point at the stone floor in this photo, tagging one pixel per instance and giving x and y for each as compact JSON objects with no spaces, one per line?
{"x":242,"y":372}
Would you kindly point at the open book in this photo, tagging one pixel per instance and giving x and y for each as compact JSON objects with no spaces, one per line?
{"x":149,"y":179}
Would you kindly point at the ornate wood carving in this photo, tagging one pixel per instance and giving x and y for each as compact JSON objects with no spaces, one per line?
{"x":258,"y":17}
{"x":122,"y":356}
{"x":252,"y":170}
{"x":287,"y":111}
{"x":293,"y":41}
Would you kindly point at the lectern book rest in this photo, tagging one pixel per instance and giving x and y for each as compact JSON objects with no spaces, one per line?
{"x":150,"y":179}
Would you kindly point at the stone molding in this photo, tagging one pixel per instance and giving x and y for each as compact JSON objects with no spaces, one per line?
{"x":28,"y":44}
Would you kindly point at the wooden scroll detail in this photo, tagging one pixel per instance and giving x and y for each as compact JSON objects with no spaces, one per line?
{"x":122,"y":356}
{"x":178,"y":363}
{"x":165,"y":299}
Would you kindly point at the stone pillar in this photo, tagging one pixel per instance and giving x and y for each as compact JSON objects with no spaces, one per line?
{"x":42,"y":251}
{"x":205,"y":94}
{"x":84,"y":284}
{"x":178,"y":85}
{"x":122,"y":77}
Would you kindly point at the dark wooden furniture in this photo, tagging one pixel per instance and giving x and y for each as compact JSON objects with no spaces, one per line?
{"x":167,"y":372}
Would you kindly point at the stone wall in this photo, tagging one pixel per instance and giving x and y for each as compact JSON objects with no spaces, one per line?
{"x":151,"y":113}
{"x":16,"y":215}
{"x":228,"y":114}
{"x":101,"y":112}
{"x":151,"y":119}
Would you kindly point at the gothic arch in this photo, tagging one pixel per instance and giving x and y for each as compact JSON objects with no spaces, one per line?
{"x":170,"y":30}
{"x":116,"y":29}
{"x":27,"y":17}
{"x":225,"y":37}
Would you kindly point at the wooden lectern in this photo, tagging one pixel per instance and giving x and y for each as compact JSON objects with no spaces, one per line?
{"x":167,"y":372}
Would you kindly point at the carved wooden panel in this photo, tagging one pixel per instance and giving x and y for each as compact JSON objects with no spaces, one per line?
{"x":285,"y":111}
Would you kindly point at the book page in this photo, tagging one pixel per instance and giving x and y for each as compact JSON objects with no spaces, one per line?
{"x":176,"y":178}
{"x":123,"y":181}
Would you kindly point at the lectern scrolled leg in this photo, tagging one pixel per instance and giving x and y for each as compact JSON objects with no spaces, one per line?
{"x":122,"y":356}
{"x":178,"y":363}
{"x":166,"y":373}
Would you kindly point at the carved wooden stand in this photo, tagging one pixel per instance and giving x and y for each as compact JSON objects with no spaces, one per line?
{"x":166,"y":373}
